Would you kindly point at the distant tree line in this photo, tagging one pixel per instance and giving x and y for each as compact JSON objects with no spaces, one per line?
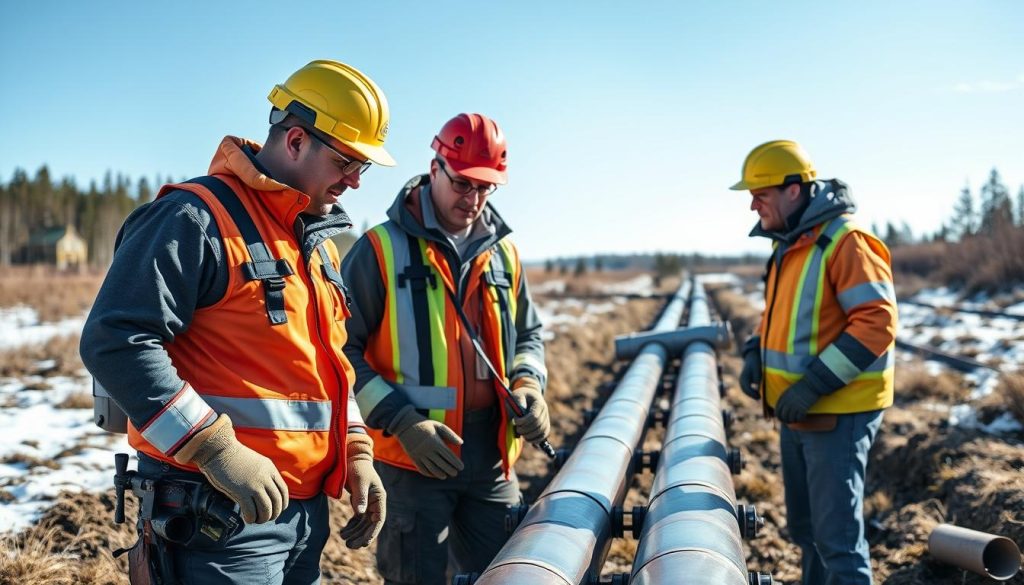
{"x":979,"y":248}
{"x":993,"y":213}
{"x":29,"y":204}
{"x":661,"y":263}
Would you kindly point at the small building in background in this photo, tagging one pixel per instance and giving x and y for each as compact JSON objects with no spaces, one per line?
{"x":61,"y":247}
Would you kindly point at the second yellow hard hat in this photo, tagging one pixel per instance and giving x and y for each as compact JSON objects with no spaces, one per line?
{"x":775,"y":163}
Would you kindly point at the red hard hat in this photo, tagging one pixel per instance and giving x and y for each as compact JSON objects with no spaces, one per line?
{"x":473,"y":146}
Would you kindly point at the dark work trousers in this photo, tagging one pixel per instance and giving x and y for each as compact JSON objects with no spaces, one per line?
{"x":430,"y":520}
{"x":285,"y":551}
{"x":823,"y":473}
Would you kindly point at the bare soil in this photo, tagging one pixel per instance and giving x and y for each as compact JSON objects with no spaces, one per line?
{"x":922,"y":472}
{"x":72,"y":543}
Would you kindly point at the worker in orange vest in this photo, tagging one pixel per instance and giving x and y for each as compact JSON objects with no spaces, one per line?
{"x":218,"y":330}
{"x":822,"y":358}
{"x":442,"y":323}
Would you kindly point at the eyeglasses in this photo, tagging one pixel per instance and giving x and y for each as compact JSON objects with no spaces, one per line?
{"x":348,"y":165}
{"x":464,"y":187}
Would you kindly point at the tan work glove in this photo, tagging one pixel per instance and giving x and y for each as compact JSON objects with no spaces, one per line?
{"x":535,"y":424}
{"x":366,"y":494}
{"x":245,"y":476}
{"x":424,"y":441}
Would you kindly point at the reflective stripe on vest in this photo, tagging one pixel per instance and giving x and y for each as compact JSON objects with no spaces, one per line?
{"x":413,"y":349}
{"x":803,"y":339}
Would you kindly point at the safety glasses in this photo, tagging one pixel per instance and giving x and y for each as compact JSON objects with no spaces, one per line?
{"x":464,"y":187}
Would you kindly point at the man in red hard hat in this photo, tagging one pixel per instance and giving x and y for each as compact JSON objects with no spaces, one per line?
{"x":439,"y":274}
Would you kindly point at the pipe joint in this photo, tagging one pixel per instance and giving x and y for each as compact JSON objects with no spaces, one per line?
{"x":634,"y":524}
{"x":750,"y":521}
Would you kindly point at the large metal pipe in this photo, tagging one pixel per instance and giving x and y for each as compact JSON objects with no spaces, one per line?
{"x":564,"y":537}
{"x":990,"y":555}
{"x":691,"y":533}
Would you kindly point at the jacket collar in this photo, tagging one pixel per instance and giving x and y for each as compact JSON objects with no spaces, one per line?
{"x":413,"y":212}
{"x":236,"y":157}
{"x":829,"y":199}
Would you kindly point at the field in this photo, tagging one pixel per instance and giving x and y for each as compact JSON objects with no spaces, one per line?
{"x":948,"y":451}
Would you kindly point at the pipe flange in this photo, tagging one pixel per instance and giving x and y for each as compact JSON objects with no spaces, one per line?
{"x":465,"y":578}
{"x":514,"y":517}
{"x":750,"y":522}
{"x":735,"y":460}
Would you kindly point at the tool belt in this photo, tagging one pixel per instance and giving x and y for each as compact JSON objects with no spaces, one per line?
{"x":172,"y":513}
{"x":815,"y":423}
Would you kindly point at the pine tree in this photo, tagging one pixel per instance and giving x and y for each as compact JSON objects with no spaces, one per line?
{"x":964,"y":222}
{"x":143,"y":192}
{"x":581,"y":267}
{"x":1020,"y":206}
{"x":996,"y":209}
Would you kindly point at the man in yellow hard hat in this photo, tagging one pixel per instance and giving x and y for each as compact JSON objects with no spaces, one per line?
{"x":219,"y":331}
{"x":442,"y":325}
{"x":821,"y":359}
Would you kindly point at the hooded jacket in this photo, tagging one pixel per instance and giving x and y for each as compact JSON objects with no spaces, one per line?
{"x":382,"y":343}
{"x":830,"y":307}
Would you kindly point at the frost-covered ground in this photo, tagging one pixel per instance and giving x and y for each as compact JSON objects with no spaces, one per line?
{"x":560,"y":313}
{"x":46,"y":448}
{"x":20,"y":326}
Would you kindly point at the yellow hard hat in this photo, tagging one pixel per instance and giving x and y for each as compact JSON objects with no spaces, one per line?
{"x":340,"y":101}
{"x":775,"y":163}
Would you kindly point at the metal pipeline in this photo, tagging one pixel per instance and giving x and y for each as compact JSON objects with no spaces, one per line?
{"x":565,"y":536}
{"x":691,"y":531}
{"x":990,"y":555}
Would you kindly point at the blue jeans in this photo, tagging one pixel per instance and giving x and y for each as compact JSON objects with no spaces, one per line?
{"x":283,"y":552}
{"x":824,"y":474}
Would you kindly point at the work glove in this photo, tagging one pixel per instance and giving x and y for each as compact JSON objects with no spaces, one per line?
{"x":750,"y":376}
{"x":425,"y":442}
{"x":535,"y":424}
{"x":795,"y":402}
{"x":366,"y":493}
{"x":245,"y":476}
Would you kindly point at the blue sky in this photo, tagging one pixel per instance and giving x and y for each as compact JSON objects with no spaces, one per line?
{"x":626,"y":121}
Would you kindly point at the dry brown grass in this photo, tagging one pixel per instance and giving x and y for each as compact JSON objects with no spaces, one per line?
{"x":736,"y":309}
{"x":71,"y":544}
{"x":914,"y":382}
{"x":593,"y":283}
{"x":54,"y":295}
{"x":23,"y":360}
{"x":29,"y":461}
{"x":1011,"y":390}
{"x":76,"y":400}
{"x":29,"y":560}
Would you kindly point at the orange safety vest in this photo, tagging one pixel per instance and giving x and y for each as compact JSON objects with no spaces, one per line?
{"x":810,"y":296}
{"x":269,"y":353}
{"x":418,"y":346}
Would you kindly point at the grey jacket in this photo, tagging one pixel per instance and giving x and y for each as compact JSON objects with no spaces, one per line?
{"x":367,"y":291}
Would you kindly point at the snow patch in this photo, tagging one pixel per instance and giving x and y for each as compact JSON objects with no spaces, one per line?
{"x":19,"y":325}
